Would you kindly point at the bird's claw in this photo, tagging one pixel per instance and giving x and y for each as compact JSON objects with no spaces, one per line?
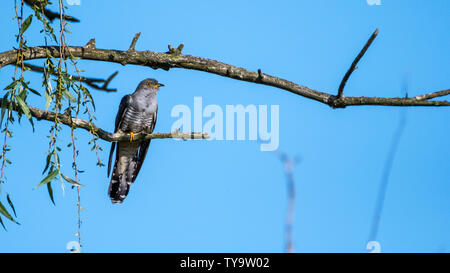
{"x":131,"y":136}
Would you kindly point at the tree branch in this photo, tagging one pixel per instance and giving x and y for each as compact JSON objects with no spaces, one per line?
{"x":89,"y":81}
{"x":433,"y":95}
{"x":65,"y":119}
{"x":174,"y":59}
{"x":133,"y":42}
{"x":353,"y":67}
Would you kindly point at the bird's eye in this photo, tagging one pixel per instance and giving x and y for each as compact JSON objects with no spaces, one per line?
{"x":148,"y":83}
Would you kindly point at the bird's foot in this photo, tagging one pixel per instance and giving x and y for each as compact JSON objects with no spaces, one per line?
{"x":131,"y":136}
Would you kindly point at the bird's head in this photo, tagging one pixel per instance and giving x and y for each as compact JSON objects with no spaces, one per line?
{"x":150,"y":85}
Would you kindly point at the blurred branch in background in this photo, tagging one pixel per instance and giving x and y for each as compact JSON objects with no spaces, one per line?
{"x":89,"y":81}
{"x":288,"y":164}
{"x":379,"y":205}
{"x":41,"y":4}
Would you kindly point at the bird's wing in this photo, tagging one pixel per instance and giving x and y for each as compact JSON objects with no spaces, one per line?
{"x":143,"y":148}
{"x":126,"y":100}
{"x":124,"y":103}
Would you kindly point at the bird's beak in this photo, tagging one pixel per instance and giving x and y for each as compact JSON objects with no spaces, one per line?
{"x":160,"y":84}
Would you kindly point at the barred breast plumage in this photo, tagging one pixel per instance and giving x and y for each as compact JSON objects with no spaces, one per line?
{"x":137,"y":113}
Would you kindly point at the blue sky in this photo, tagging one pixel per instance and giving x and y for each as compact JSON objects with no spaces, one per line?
{"x":228,"y":196}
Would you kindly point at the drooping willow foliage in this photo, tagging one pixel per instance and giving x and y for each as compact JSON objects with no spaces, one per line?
{"x":64,"y":94}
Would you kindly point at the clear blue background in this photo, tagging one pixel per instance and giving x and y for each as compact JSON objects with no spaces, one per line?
{"x":228,"y":196}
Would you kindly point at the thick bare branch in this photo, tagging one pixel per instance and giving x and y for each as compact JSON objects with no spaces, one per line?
{"x":65,"y":119}
{"x":89,"y":81}
{"x":166,"y":61}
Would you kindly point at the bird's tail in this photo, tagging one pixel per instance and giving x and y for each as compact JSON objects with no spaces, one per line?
{"x":123,"y":173}
{"x":118,"y":188}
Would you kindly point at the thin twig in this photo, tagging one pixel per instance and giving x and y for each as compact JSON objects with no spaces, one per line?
{"x":133,"y":42}
{"x":355,"y":62}
{"x":433,"y":95}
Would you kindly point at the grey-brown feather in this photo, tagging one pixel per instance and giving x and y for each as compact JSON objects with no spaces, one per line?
{"x":137,"y":113}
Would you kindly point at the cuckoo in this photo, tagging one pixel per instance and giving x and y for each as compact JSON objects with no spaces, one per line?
{"x":137,"y":113}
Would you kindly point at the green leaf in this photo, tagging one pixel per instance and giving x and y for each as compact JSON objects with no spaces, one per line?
{"x":48,"y":94}
{"x":48,"y":178}
{"x":34,"y":91}
{"x":25,"y":24}
{"x":26,"y":87}
{"x":11,"y":204}
{"x":68,"y":95}
{"x":25,"y":109}
{"x":23,"y":92}
{"x":5,"y":97}
{"x":71,"y":181}
{"x":6,"y":213}
{"x":11,"y":85}
{"x":50,"y":192}
{"x":87,"y":93}
{"x":3,"y":225}
{"x":54,"y":36}
{"x":47,"y":163}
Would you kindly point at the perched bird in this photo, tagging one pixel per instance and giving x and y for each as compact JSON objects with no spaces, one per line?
{"x":137,"y":113}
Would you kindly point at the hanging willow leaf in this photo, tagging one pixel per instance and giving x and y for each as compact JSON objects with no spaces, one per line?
{"x":87,"y":93}
{"x":25,"y":109}
{"x":11,"y":204}
{"x":34,"y":91}
{"x":68,"y":95}
{"x":48,"y":178}
{"x":26,"y":87}
{"x":25,"y":24}
{"x":6,"y":213}
{"x":48,"y":94}
{"x":50,"y":192}
{"x":5,"y":97}
{"x":47,"y":163}
{"x":3,"y":225}
{"x":71,"y":181}
{"x":11,"y":85}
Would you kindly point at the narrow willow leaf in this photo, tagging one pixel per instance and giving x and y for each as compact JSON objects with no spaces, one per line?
{"x":25,"y":109}
{"x":11,"y":85}
{"x":50,"y":192}
{"x":23,"y":93}
{"x":3,"y":225}
{"x":11,"y":204}
{"x":54,"y":36}
{"x":25,"y":85}
{"x":34,"y":91}
{"x":68,"y":95}
{"x":6,"y":213}
{"x":47,"y":163}
{"x":71,"y":181}
{"x":48,"y":178}
{"x":48,"y":94}
{"x":48,"y":100}
{"x":5,"y":97}
{"x":25,"y":24}
{"x":87,"y":93}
